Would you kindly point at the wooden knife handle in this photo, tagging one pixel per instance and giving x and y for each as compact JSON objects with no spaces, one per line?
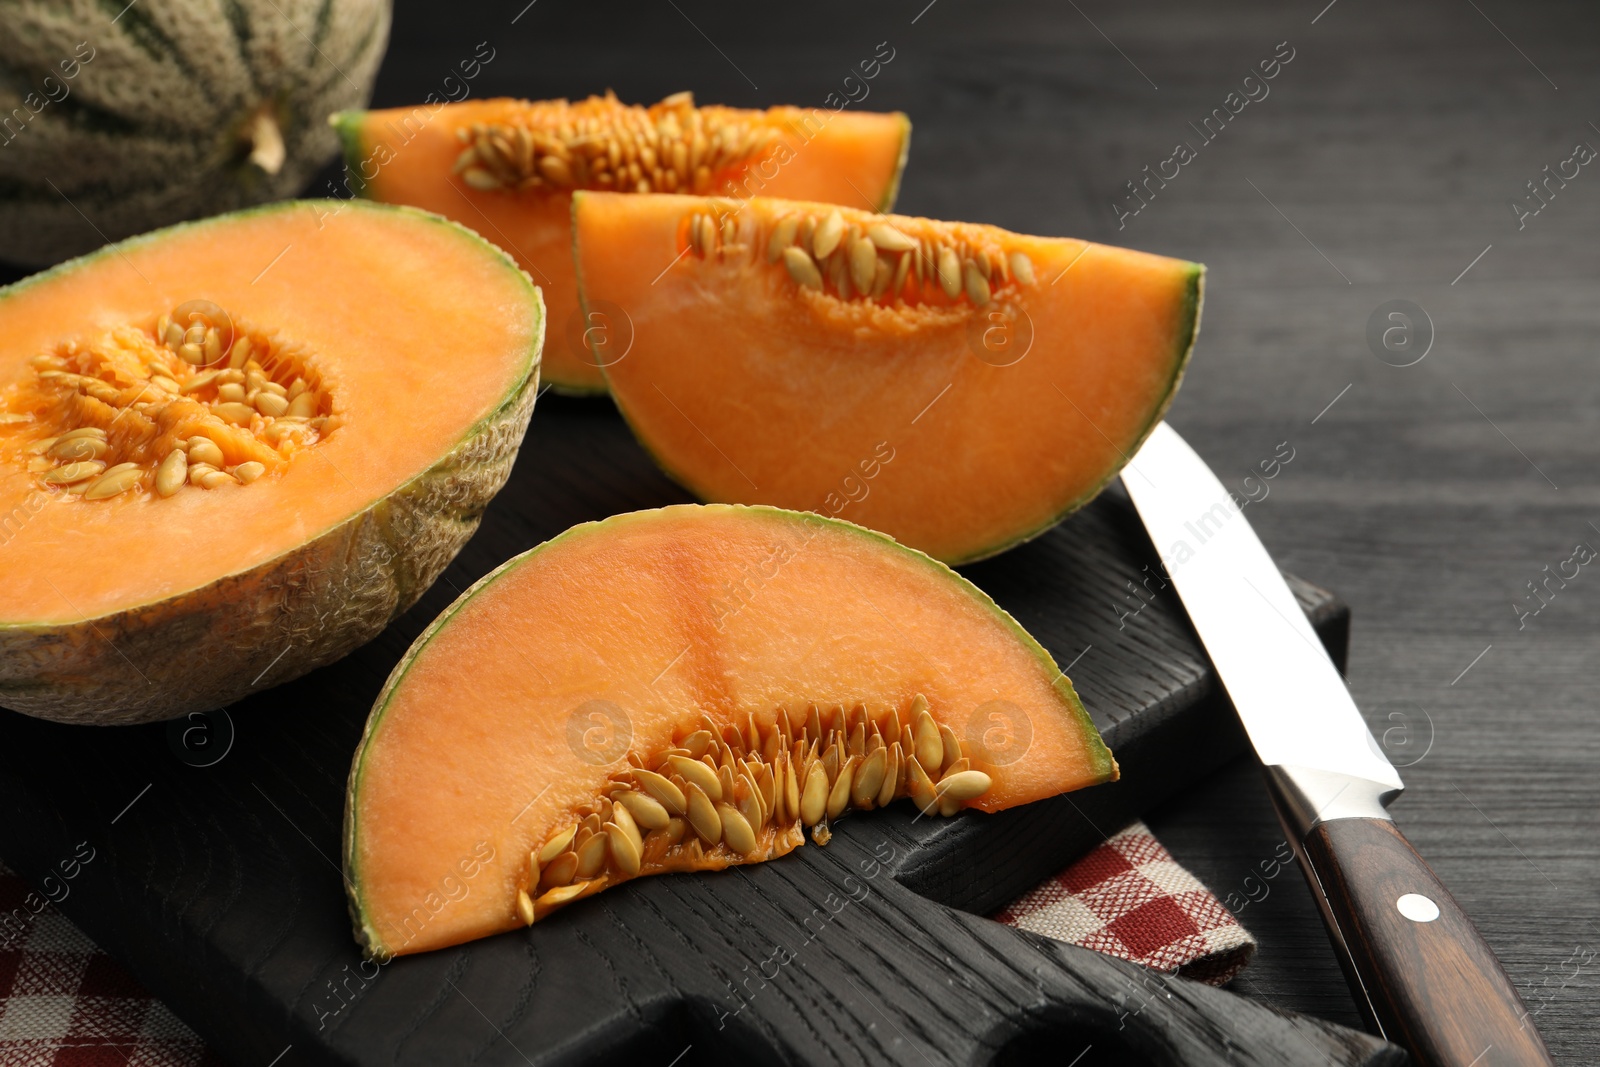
{"x":1432,"y":984}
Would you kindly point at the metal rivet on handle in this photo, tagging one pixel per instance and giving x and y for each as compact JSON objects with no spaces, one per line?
{"x":1417,"y":908}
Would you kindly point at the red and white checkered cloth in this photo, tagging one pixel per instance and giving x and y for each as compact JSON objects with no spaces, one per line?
{"x":64,"y":1003}
{"x":1130,"y":899}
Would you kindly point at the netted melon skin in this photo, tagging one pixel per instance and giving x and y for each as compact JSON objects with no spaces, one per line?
{"x":153,"y":128}
{"x":304,"y":609}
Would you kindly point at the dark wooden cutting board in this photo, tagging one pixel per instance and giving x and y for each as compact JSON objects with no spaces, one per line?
{"x":216,"y":843}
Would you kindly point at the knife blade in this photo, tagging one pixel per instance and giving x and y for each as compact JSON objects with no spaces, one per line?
{"x":1419,"y":969}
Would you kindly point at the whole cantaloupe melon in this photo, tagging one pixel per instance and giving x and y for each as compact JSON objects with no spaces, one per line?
{"x":119,"y":118}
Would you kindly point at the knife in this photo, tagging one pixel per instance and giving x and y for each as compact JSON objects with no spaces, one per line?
{"x":1419,"y":969}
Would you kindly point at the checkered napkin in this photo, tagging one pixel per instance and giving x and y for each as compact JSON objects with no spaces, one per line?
{"x":64,"y":1003}
{"x":1129,"y":899}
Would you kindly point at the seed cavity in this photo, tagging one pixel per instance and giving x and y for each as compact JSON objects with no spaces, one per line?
{"x":868,"y":261}
{"x":600,"y":143}
{"x":721,"y":795}
{"x":194,"y":397}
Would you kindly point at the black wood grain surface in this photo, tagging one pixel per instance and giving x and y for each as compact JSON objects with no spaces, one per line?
{"x":1382,"y":165}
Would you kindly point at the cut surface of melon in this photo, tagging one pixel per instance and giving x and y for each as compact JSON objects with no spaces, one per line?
{"x":258,"y":435}
{"x":686,"y":689}
{"x":957,"y":386}
{"x":507,"y":168}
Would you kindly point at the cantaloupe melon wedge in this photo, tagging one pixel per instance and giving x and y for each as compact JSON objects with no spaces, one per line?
{"x":957,"y":386}
{"x":682,"y":690}
{"x":233,"y":450}
{"x":507,"y":168}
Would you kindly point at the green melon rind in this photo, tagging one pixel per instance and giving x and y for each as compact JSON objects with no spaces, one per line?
{"x":1101,"y":760}
{"x":306,"y":607}
{"x":891,"y":192}
{"x":1188,"y":333}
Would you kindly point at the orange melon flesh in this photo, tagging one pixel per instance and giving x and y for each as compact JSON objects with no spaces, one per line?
{"x":479,"y":745}
{"x":958,"y":428}
{"x":425,"y":340}
{"x":410,"y":156}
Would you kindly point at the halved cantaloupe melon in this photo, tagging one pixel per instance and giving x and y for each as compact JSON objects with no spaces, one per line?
{"x":507,"y":168}
{"x":231,"y":451}
{"x":681,"y":690}
{"x":957,"y":386}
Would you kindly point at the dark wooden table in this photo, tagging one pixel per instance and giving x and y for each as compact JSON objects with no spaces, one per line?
{"x":1380,"y":165}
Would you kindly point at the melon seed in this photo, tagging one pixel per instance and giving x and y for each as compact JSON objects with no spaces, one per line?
{"x":591,"y":857}
{"x":929,"y":745}
{"x":113,"y":482}
{"x":736,"y":830}
{"x":697,"y":774}
{"x":74,"y":472}
{"x":561,"y":870}
{"x":68,"y":447}
{"x":898,"y":286}
{"x":214,"y":479}
{"x":556,"y":846}
{"x":231,"y":392}
{"x":952,"y":748}
{"x":249,"y":471}
{"x":697,"y":743}
{"x":703,"y":816}
{"x":949,"y":270}
{"x":646,"y":810}
{"x":921,"y":787}
{"x":198,"y":382}
{"x":891,"y":776}
{"x":1022,"y":268}
{"x":814,"y":797}
{"x":624,"y":821}
{"x":205,"y":450}
{"x":172,"y":473}
{"x":782,"y":237}
{"x":626,"y":848}
{"x":237,"y":413}
{"x":525,"y":907}
{"x":889,"y":239}
{"x":964,"y":785}
{"x":869,"y":779}
{"x":663,"y":789}
{"x":977,"y":286}
{"x":802,"y":268}
{"x":555,"y":898}
{"x":753,"y":809}
{"x":863,"y":263}
{"x":828,"y":234}
{"x":839,"y":795}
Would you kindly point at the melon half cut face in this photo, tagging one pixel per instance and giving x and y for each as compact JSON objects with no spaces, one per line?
{"x":233,"y":450}
{"x":957,"y":386}
{"x":684,"y":690}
